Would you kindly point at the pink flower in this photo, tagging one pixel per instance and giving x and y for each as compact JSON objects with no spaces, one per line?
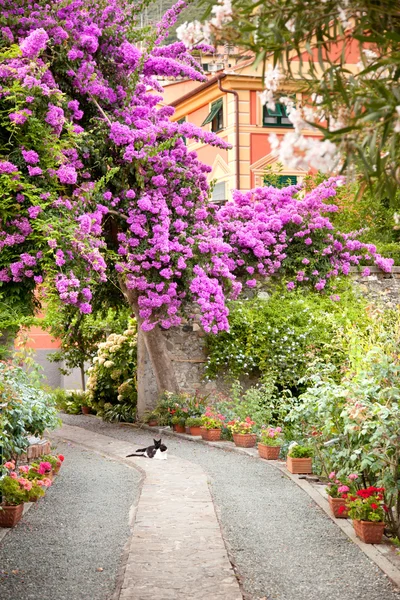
{"x":44,"y":467}
{"x":10,"y":465}
{"x":13,"y":475}
{"x":343,"y":488}
{"x":332,"y":475}
{"x":47,"y":482}
{"x":24,"y":469}
{"x":353,"y":476}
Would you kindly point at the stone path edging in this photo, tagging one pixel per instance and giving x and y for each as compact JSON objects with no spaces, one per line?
{"x":374,"y":552}
{"x":176,"y":551}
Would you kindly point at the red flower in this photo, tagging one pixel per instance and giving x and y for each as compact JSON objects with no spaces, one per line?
{"x":374,"y":506}
{"x":61,"y":457}
{"x":341,"y":509}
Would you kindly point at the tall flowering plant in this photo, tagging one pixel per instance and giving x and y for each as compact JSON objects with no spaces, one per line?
{"x":212,"y":419}
{"x":126,"y":194}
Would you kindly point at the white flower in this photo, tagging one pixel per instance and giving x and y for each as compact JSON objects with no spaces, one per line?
{"x":108,"y":364}
{"x":101,"y":360}
{"x":193,"y":33}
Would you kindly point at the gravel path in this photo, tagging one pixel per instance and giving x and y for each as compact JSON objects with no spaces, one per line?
{"x":283,"y":545}
{"x":80,"y":526}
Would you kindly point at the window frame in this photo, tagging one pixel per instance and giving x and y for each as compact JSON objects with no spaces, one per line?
{"x":279,"y":113}
{"x":215,"y":116}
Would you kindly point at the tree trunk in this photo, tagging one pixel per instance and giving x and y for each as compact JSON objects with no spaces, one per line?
{"x":82,"y":369}
{"x":154,"y":342}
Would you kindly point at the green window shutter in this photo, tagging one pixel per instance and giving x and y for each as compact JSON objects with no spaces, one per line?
{"x":285,"y":180}
{"x":281,"y":180}
{"x":277,"y":112}
{"x":215,"y":108}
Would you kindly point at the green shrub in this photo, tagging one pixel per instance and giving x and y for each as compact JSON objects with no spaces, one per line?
{"x":26,"y":410}
{"x":112,"y":377}
{"x":300,"y":452}
{"x":278,"y":337}
{"x":193,"y":422}
{"x":125,"y":413}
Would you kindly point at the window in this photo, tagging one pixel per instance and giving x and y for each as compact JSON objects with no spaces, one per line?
{"x":277,"y":117}
{"x":180,"y":121}
{"x":219,"y":193}
{"x":215,"y":116}
{"x":281,"y":181}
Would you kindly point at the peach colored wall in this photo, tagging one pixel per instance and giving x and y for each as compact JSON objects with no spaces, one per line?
{"x":177,"y":90}
{"x":352,"y":52}
{"x":207,"y":154}
{"x":41,"y":340}
{"x":198,"y":116}
{"x":259,"y":145}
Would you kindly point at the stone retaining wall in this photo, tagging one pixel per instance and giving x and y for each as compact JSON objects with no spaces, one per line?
{"x":186,"y":344}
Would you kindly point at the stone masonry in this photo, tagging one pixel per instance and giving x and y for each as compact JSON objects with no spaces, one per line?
{"x":186,"y":344}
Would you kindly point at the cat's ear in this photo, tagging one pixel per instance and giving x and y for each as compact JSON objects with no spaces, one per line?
{"x":157,"y":442}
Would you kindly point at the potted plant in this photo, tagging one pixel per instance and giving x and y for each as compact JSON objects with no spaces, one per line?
{"x":270,"y":443}
{"x":194,"y":424}
{"x":151,"y":419}
{"x":299,"y":459}
{"x":178,"y":423}
{"x":85,"y":403}
{"x":367,"y":510}
{"x":15,"y":491}
{"x":37,"y":490}
{"x":338,"y":490}
{"x":211,"y":425}
{"x":242,"y":432}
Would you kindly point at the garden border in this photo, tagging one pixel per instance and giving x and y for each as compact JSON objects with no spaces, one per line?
{"x":374,"y":552}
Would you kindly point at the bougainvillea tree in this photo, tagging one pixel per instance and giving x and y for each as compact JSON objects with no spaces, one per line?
{"x":99,"y":178}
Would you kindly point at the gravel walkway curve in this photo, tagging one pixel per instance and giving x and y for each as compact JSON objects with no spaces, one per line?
{"x":80,"y":526}
{"x":283,"y":546}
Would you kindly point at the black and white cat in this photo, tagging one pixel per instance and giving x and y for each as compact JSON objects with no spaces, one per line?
{"x":157,"y":451}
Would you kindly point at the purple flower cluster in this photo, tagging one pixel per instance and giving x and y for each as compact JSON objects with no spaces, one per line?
{"x":174,"y":249}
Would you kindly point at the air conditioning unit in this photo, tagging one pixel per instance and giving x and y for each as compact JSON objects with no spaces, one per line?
{"x":214,"y":67}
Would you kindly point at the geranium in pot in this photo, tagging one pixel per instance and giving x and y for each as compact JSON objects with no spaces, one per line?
{"x":299,"y":459}
{"x":194,"y":423}
{"x":338,"y":490}
{"x":178,"y":422}
{"x":242,"y":432}
{"x":270,"y":443}
{"x":367,"y":510}
{"x":14,"y":491}
{"x":212,"y":423}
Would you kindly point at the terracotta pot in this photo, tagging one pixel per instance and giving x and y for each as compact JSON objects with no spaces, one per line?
{"x":195,"y":430}
{"x":210,"y":435}
{"x":269,"y":452}
{"x":10,"y":515}
{"x":179,"y":428}
{"x":152,"y":423}
{"x":56,"y":470}
{"x":299,"y":465}
{"x":368,"y":531}
{"x":85,"y":410}
{"x":244,"y":440}
{"x":335,"y":504}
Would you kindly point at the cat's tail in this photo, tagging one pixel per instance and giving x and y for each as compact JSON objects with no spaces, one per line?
{"x":134,"y":454}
